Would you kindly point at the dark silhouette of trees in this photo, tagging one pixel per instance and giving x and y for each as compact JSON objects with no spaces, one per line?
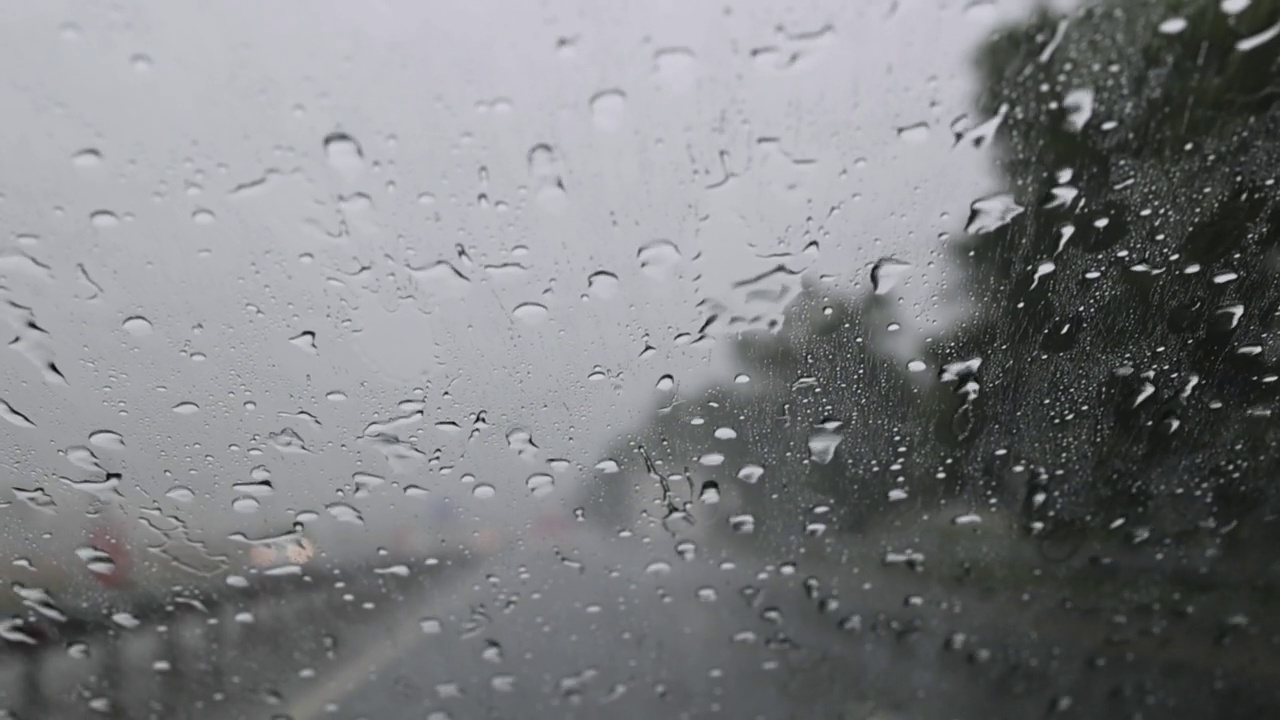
{"x":1117,"y":374}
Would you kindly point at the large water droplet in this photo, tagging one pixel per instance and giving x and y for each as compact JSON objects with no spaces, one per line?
{"x":83,"y":457}
{"x":186,"y":408}
{"x":676,"y":68}
{"x":915,"y":134}
{"x":530,"y":313}
{"x":257,"y":488}
{"x":602,"y":284}
{"x":344,"y":154}
{"x":744,"y":523}
{"x":8,"y":412}
{"x":87,"y":158}
{"x":344,"y":513}
{"x":137,"y":326}
{"x":108,"y":439}
{"x":103,"y":219}
{"x":305,"y":340}
{"x":822,"y":446}
{"x":750,"y":474}
{"x":607,"y":109}
{"x":711,"y":459}
{"x":886,"y":273}
{"x":658,"y":257}
{"x":540,"y":484}
{"x":180,"y":494}
{"x":483,"y":491}
{"x":989,"y":213}
{"x":710,"y":493}
{"x":1079,"y":106}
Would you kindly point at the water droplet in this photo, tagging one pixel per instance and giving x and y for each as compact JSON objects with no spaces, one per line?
{"x":712,"y":459}
{"x":96,"y":560}
{"x":1172,"y":26}
{"x":1042,"y":269}
{"x":492,"y":652}
{"x":125,"y":620}
{"x":1234,"y":7}
{"x":103,"y":219}
{"x":366,"y":481}
{"x":83,"y":457}
{"x":38,"y":498}
{"x":822,"y":446}
{"x":658,"y":567}
{"x":483,"y":491}
{"x":744,"y":523}
{"x":666,"y":383}
{"x":344,"y":513}
{"x":916,"y":366}
{"x":344,"y":153}
{"x":658,"y":257}
{"x":108,"y":439}
{"x":335,"y":396}
{"x":540,"y":484}
{"x":687,"y":549}
{"x":608,"y":466}
{"x":305,"y":340}
{"x":180,"y":494}
{"x":608,"y":108}
{"x":503,"y":683}
{"x":530,"y":313}
{"x":8,"y":412}
{"x":707,"y":594}
{"x":991,"y":212}
{"x":750,"y":474}
{"x":602,"y":284}
{"x":245,"y":505}
{"x":87,"y":158}
{"x":916,"y":134}
{"x":885,"y":274}
{"x":726,"y":433}
{"x":137,"y":326}
{"x":140,"y":62}
{"x":1079,"y":106}
{"x":676,"y":68}
{"x":522,"y":442}
{"x":430,"y":626}
{"x":186,"y":408}
{"x":710,"y":493}
{"x":203,"y":216}
{"x":257,"y":488}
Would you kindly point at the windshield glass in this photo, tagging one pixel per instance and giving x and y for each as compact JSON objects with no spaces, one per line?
{"x":835,"y":359}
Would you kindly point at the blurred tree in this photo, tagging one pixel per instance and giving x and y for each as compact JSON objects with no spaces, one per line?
{"x":1126,"y":319}
{"x":1119,"y":367}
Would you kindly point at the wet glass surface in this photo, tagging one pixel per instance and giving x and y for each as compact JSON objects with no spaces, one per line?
{"x":860,"y":360}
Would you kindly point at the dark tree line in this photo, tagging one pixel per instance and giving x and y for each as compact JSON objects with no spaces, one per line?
{"x":1119,"y":363}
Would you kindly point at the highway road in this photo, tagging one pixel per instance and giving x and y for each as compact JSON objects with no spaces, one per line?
{"x":587,"y":624}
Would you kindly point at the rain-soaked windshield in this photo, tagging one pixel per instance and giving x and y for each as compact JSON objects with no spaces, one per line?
{"x":865,"y":360}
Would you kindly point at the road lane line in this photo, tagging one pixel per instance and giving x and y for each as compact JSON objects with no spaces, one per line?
{"x":378,"y":654}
